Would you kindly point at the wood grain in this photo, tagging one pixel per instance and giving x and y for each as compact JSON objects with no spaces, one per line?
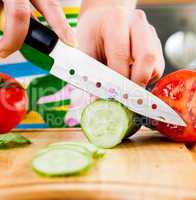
{"x":146,"y":167}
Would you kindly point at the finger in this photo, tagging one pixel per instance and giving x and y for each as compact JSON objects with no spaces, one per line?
{"x":116,"y":42}
{"x":145,"y":50}
{"x":17,"y":17}
{"x":54,"y":14}
{"x":159,"y":69}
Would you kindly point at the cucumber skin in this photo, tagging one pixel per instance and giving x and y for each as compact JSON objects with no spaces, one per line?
{"x":85,"y":169}
{"x":132,"y":128}
{"x":86,"y":134}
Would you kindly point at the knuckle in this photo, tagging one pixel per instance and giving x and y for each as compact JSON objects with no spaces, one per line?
{"x":121,"y":53}
{"x":4,"y":53}
{"x":144,"y":79}
{"x":118,"y":12}
{"x":150,"y":58}
{"x":20,"y":15}
{"x":22,"y":11}
{"x":119,"y":9}
{"x":141,"y":14}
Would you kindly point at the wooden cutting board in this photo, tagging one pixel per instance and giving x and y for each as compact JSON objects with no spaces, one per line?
{"x":147,"y":167}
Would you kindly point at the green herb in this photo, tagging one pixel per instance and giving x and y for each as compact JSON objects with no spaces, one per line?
{"x":11,"y":140}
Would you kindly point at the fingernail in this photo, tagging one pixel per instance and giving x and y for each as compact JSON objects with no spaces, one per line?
{"x":72,"y":43}
{"x":142,"y":85}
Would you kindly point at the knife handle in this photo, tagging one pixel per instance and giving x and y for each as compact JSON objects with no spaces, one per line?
{"x":39,"y":36}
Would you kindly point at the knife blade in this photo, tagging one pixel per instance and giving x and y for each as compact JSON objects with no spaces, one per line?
{"x":88,"y":74}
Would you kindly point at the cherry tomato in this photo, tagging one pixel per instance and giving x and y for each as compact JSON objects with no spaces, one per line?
{"x":13,"y":103}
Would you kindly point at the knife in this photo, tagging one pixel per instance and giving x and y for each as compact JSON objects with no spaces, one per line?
{"x":79,"y":69}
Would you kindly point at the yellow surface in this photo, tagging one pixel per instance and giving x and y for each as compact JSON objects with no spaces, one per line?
{"x":67,"y":10}
{"x":32,"y":118}
{"x":2,"y":19}
{"x":72,"y":10}
{"x":61,"y":108}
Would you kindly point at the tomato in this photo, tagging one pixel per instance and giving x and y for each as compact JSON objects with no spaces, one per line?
{"x":178,"y":90}
{"x":13,"y":103}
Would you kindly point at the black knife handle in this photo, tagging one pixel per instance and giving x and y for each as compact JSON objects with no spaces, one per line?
{"x":40,"y":37}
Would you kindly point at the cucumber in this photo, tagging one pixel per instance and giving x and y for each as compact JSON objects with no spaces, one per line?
{"x":107,"y":122}
{"x":60,"y":161}
{"x":95,"y":151}
{"x":11,"y":140}
{"x":70,"y":147}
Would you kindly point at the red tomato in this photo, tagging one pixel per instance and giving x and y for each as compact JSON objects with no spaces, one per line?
{"x":178,"y":90}
{"x":13,"y":103}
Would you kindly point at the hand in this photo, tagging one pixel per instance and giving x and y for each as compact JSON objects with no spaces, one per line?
{"x":124,"y":40}
{"x":17,"y":17}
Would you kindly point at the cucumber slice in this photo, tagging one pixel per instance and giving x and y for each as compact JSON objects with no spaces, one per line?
{"x":107,"y":122}
{"x":71,"y":147}
{"x":95,"y":151}
{"x":61,"y":162}
{"x":11,"y":140}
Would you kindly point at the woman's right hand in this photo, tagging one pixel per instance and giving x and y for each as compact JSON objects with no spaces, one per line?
{"x":17,"y":19}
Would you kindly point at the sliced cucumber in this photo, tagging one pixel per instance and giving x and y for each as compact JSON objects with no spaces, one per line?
{"x":71,"y":147}
{"x":95,"y":151}
{"x":11,"y":140}
{"x":106,"y":123}
{"x":61,"y":162}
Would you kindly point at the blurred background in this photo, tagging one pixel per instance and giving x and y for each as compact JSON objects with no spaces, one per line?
{"x":175,"y":21}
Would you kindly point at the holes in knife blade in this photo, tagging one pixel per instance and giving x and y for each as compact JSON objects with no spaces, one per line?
{"x":112,"y":91}
{"x":125,"y":96}
{"x":98,"y":84}
{"x":140,"y":101}
{"x":85,"y":78}
{"x":71,"y":72}
{"x":154,"y":106}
